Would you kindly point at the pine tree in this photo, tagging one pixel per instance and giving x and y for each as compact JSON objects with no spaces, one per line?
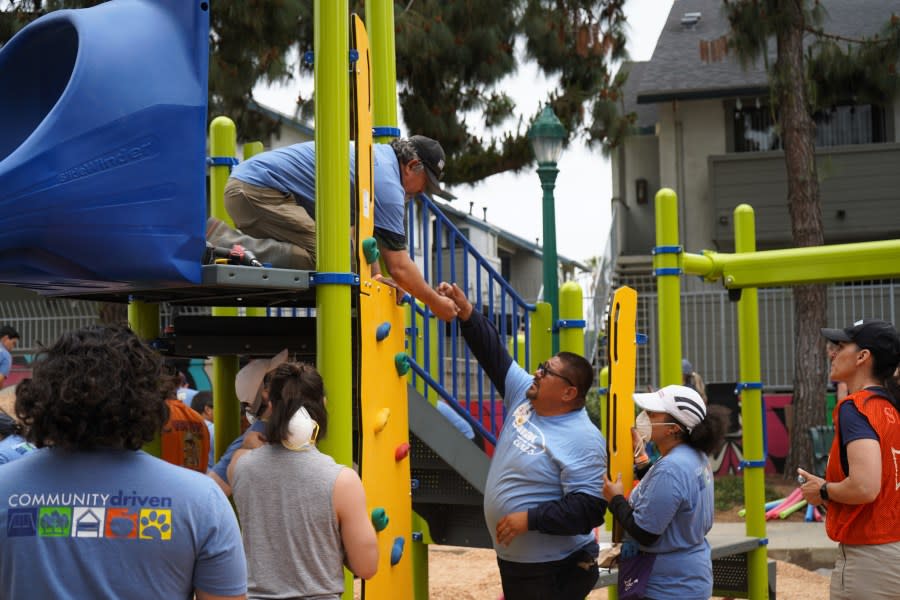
{"x":802,"y":82}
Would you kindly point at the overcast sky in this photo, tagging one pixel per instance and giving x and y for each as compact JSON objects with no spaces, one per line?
{"x":584,"y":184}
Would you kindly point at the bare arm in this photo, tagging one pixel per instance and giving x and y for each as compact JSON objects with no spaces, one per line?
{"x":860,"y":487}
{"x":223,"y":485}
{"x":864,"y":482}
{"x":357,"y":532}
{"x":405,"y":272}
{"x":201,"y":595}
{"x":234,"y":458}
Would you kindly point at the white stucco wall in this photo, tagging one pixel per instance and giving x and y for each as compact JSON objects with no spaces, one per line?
{"x":689,"y":132}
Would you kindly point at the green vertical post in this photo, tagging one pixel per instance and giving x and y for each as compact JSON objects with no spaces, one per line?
{"x":226,"y":411}
{"x":667,"y":269}
{"x":380,"y":26}
{"x":547,"y":174}
{"x":541,"y":341}
{"x":332,"y":52}
{"x":222,"y":142}
{"x":143,"y":319}
{"x":571,"y":310}
{"x":752,"y":411}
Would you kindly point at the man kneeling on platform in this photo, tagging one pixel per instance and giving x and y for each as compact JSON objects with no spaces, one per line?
{"x":272,"y":196}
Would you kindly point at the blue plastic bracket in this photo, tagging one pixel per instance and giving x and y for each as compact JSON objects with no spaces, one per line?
{"x":603,"y":391}
{"x":571,"y":324}
{"x":384,"y":131}
{"x":333,"y":279}
{"x":309,"y":56}
{"x":754,"y":464}
{"x":667,"y":250}
{"x":747,"y":385}
{"x":221,"y":161}
{"x":667,"y":271}
{"x":641,"y":339}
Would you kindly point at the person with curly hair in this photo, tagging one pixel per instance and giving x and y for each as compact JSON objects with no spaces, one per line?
{"x":285,"y":479}
{"x":90,"y":515}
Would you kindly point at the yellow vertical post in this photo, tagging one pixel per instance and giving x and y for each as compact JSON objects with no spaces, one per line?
{"x":380,"y":24}
{"x":541,"y":339}
{"x":226,"y":413}
{"x":667,"y":268}
{"x":751,"y":411}
{"x":143,"y":319}
{"x":571,"y":314}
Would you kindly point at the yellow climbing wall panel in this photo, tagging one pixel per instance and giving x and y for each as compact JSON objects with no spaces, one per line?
{"x":384,"y":419}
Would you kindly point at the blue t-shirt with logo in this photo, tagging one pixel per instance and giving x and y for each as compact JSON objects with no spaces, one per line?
{"x":13,"y":447}
{"x":540,"y":459}
{"x":114,"y":524}
{"x":293,"y":169}
{"x":675,"y":500}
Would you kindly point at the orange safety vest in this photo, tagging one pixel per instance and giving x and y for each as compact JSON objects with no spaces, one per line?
{"x":877,"y":522}
{"x":185,"y":438}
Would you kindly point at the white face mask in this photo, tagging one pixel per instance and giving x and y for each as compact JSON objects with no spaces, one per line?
{"x":643,"y":426}
{"x":302,"y":431}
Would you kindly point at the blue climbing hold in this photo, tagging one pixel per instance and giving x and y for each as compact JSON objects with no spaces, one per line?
{"x":383,"y":331}
{"x":397,"y":550}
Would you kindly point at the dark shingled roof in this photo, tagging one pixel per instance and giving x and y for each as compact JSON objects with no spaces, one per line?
{"x":676,"y":70}
{"x":647,"y":114}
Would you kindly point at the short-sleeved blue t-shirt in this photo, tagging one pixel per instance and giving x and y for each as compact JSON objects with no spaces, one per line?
{"x":13,"y":447}
{"x":115,"y":524}
{"x":293,"y":169}
{"x":5,"y":361}
{"x":675,"y":500}
{"x":221,"y":467}
{"x":540,"y":459}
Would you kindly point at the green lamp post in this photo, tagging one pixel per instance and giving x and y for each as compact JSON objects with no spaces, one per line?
{"x":547,"y":134}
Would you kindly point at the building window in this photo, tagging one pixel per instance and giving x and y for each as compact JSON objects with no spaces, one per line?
{"x":755,"y":129}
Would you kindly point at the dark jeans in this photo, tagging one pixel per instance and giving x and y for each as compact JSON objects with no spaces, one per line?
{"x":571,"y":578}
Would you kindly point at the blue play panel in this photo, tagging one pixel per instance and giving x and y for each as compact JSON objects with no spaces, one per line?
{"x":102,"y":148}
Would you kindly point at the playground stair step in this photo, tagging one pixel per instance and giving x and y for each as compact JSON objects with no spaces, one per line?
{"x":449,"y":474}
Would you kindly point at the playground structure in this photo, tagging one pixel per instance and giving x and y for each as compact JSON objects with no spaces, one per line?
{"x":106,"y":204}
{"x":745,"y":271}
{"x":71,"y":156}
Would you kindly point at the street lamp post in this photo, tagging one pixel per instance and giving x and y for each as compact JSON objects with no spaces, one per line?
{"x":547,"y":134}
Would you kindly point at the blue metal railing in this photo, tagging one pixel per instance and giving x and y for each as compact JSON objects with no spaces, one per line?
{"x":449,"y":256}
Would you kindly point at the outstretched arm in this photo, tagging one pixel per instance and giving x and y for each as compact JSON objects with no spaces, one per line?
{"x":405,"y":272}
{"x":481,"y":337}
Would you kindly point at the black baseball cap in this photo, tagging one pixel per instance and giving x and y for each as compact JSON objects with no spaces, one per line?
{"x":432,"y":156}
{"x":878,"y":337}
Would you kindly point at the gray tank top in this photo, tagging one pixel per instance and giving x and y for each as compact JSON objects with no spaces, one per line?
{"x":291,"y":535}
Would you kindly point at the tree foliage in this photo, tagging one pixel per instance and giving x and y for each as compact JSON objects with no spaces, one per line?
{"x":452,"y":57}
{"x":813,"y":70}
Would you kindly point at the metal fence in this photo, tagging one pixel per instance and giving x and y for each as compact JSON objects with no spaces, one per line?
{"x":709,"y":327}
{"x":40,"y":321}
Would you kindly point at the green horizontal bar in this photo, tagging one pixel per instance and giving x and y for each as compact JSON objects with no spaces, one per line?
{"x":798,"y":266}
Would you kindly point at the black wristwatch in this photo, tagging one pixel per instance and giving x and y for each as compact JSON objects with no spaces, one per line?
{"x":823,"y":491}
